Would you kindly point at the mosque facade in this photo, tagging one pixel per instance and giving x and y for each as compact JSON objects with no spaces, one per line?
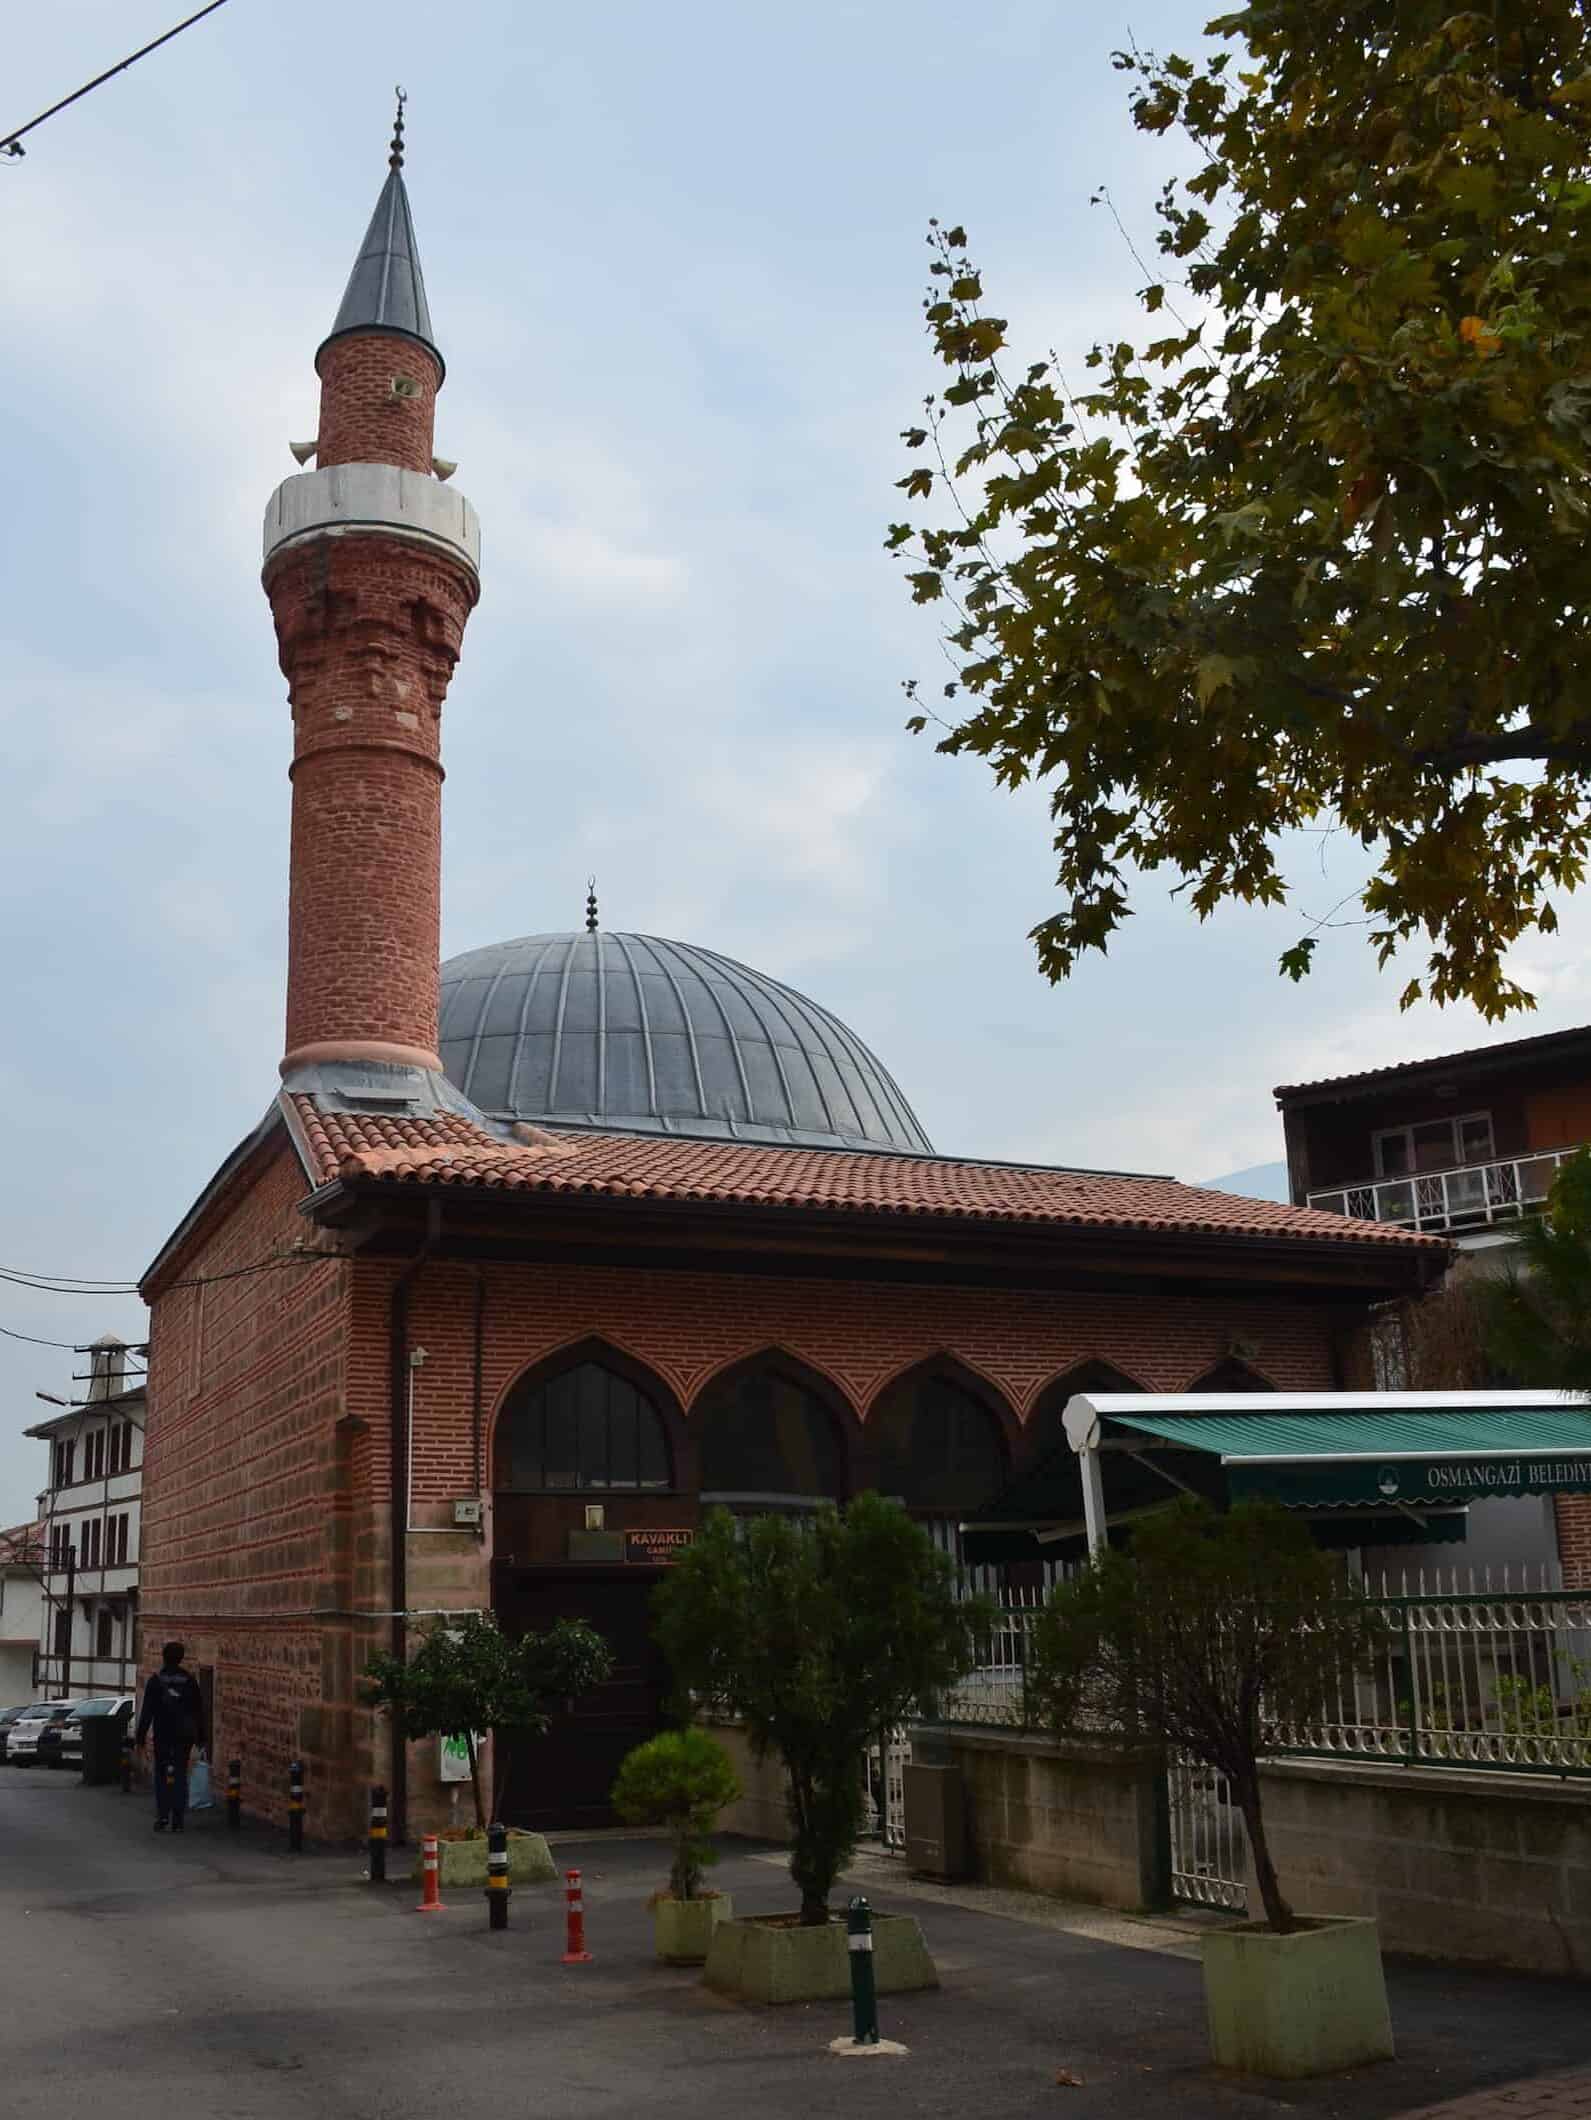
{"x":537,"y":1254}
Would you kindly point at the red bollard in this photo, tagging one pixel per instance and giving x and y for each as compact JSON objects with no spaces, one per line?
{"x":430,"y":1877}
{"x":576,"y":1954}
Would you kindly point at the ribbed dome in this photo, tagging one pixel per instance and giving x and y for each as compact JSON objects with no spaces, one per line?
{"x":640,"y":1035}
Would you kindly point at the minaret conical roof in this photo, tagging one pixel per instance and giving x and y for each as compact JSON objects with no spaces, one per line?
{"x":386,"y":289}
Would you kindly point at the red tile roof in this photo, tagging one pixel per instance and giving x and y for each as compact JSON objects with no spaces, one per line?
{"x":448,"y":1150}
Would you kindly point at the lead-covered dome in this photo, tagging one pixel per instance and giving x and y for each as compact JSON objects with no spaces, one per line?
{"x":640,"y":1035}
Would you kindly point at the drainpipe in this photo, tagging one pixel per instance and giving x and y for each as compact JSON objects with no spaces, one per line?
{"x":475,"y":1403}
{"x":398,"y":1377}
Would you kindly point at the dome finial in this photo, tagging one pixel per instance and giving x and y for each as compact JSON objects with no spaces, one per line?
{"x":395,"y":159}
{"x":591,"y":905}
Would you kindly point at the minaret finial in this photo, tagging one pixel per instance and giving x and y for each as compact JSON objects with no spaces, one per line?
{"x":591,"y":905}
{"x":395,"y":159}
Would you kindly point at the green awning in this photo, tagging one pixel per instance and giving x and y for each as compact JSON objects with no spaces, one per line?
{"x":1368,"y":1456}
{"x":1388,"y":1467}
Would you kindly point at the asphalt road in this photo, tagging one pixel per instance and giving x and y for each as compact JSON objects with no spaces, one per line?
{"x":143,"y":1977}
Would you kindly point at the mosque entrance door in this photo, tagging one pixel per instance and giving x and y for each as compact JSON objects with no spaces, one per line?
{"x":563,"y":1778}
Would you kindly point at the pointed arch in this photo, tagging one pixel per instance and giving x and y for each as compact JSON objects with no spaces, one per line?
{"x":771,"y":1426}
{"x":588,"y":1417}
{"x":940,"y":1437}
{"x":1044,"y":1433}
{"x":1231,"y":1374}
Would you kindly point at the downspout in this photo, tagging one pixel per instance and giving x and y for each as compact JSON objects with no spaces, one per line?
{"x":475,"y":1402}
{"x":398,"y":1378}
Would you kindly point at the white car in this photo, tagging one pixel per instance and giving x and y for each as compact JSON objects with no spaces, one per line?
{"x":22,"y":1746}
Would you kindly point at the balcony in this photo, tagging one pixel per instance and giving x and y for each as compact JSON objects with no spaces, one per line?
{"x":1467,"y":1198}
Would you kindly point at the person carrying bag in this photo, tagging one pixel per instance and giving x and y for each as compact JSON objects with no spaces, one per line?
{"x":174,"y":1709}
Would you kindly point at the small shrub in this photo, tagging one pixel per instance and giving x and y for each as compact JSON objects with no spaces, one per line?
{"x":681,"y":1780}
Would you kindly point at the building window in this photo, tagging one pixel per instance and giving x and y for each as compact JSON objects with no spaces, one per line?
{"x":585,"y":1428}
{"x":121,"y":1540}
{"x":765,"y":1433}
{"x":1434,"y":1144}
{"x":63,"y":1630}
{"x":102,"y":1638}
{"x":939,"y":1449}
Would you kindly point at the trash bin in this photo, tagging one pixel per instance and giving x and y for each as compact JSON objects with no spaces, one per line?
{"x":102,"y":1747}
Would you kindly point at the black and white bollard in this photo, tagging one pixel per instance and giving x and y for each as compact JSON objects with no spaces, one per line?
{"x":295,"y":1807}
{"x":864,"y":1993}
{"x":234,"y":1795}
{"x":378,"y":1834}
{"x":497,"y":1876}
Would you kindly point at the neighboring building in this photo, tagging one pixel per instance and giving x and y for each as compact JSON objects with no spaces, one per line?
{"x":91,"y":1519}
{"x":1460,"y":1146}
{"x":535,"y":1254}
{"x":21,"y":1612}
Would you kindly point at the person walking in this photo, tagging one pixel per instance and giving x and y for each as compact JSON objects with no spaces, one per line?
{"x":173,"y":1708}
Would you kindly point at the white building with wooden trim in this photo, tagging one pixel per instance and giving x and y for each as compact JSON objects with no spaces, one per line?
{"x":89,"y":1524}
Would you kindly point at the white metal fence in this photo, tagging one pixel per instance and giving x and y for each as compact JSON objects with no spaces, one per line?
{"x":1467,"y":1197}
{"x":1484,"y":1671}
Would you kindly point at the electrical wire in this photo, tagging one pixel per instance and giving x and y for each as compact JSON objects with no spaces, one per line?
{"x":11,"y":145}
{"x":60,"y":1285}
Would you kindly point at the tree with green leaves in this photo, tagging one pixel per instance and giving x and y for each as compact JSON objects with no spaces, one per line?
{"x":467,"y":1677}
{"x":1206,"y":1631}
{"x":1539,"y":1309}
{"x":817,"y":1635}
{"x":680,"y":1780}
{"x":1310,"y":553}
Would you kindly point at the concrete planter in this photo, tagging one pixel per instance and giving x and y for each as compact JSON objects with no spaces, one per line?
{"x":1296,"y":2005}
{"x":766,"y":1961}
{"x":682,"y":1929}
{"x":463,"y":1862}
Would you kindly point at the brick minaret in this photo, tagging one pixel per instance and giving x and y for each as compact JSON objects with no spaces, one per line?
{"x":371,"y":567}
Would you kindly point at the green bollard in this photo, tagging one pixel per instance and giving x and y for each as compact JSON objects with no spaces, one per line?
{"x":864,"y":1995}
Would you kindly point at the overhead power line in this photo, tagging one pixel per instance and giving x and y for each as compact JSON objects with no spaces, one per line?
{"x":11,"y":143}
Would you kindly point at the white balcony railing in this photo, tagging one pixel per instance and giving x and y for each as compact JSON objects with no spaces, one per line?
{"x":1468,"y":1197}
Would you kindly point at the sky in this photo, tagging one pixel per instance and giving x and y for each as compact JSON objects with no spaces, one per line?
{"x":675,"y":259}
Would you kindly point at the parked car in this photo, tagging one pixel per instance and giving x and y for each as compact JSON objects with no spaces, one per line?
{"x":67,"y":1749}
{"x":22,"y":1745}
{"x":8,"y":1716}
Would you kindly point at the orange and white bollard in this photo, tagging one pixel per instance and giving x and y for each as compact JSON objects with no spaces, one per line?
{"x":576,"y":1952}
{"x":430,"y":1877}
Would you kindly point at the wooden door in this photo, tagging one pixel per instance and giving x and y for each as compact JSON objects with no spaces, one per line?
{"x":564,"y":1778}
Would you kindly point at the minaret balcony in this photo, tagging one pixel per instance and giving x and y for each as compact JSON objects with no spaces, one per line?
{"x":363,"y":497}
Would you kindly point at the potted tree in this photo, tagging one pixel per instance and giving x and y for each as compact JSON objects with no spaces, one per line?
{"x":814,"y":1635}
{"x":680,"y":1780}
{"x":466,"y":1678}
{"x":1210,"y":1629}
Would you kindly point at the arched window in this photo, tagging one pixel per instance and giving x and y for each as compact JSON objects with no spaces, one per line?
{"x":1231,"y":1375}
{"x":937,"y":1447}
{"x":585,"y":1427}
{"x":1045,"y":1432}
{"x":765,"y":1432}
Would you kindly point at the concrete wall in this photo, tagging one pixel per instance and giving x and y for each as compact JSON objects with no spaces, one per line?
{"x":1490,"y":1868}
{"x":762,"y":1812}
{"x":1083,"y":1821}
{"x":1080,"y":1820}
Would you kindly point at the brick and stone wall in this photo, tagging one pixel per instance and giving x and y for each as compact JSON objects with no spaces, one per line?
{"x":254,"y":1546}
{"x":361,"y":421}
{"x":368,"y":632}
